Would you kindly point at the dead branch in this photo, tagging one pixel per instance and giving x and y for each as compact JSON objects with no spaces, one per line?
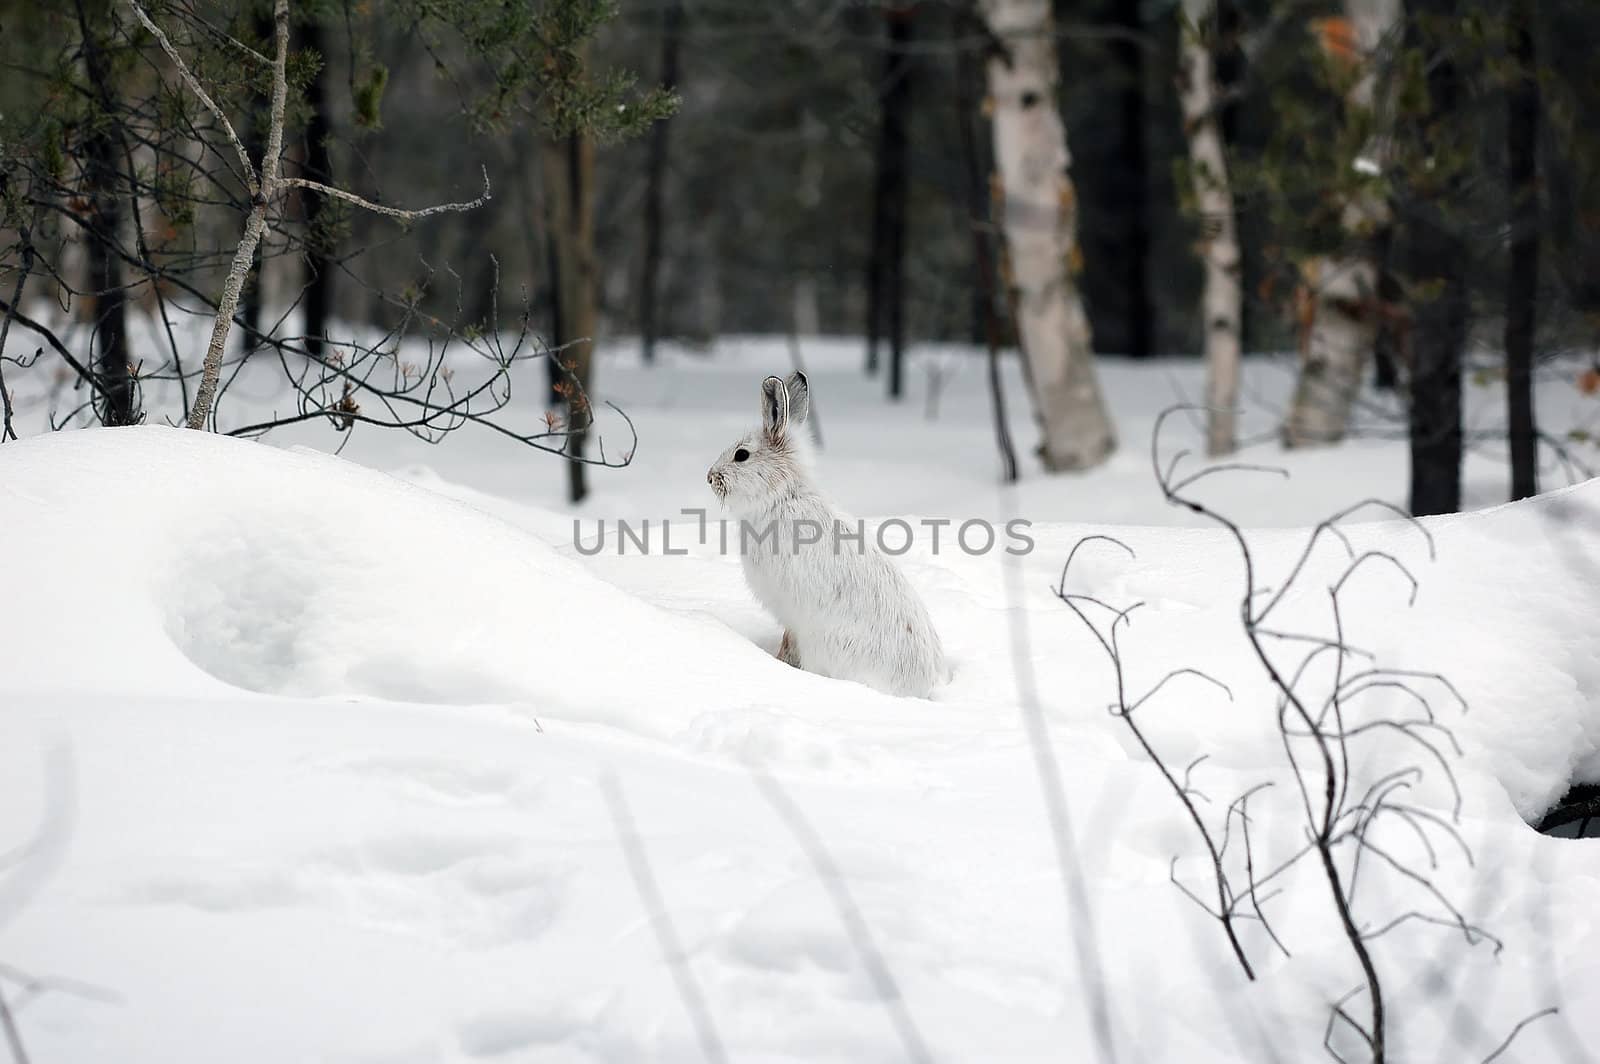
{"x":1317,"y":735}
{"x":1227,"y":897}
{"x":387,"y":211}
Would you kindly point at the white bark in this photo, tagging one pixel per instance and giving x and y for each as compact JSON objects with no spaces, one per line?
{"x":1222,"y":301}
{"x":1337,"y":345}
{"x":1037,"y":206}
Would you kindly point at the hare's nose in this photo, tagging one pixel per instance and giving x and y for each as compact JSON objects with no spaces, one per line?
{"x":711,"y":477}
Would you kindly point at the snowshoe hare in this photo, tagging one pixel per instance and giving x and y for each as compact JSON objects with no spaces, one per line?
{"x":848,"y":611}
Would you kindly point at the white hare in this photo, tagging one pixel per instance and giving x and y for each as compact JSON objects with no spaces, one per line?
{"x":848,"y":612}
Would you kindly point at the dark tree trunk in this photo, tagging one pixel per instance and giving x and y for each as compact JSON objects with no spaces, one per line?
{"x":1230,"y":70}
{"x":255,"y":142}
{"x":318,"y":299}
{"x":1522,"y":284}
{"x":975,"y":173}
{"x":1439,"y":331}
{"x":1139,"y":326}
{"x":558,"y":323}
{"x":101,"y":180}
{"x":568,"y":173}
{"x":656,"y":173}
{"x":1386,"y":353}
{"x":482,"y":304}
{"x":885,"y":293}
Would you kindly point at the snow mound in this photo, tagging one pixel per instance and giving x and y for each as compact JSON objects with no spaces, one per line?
{"x":193,"y":563}
{"x":300,"y":574}
{"x":302,"y":700}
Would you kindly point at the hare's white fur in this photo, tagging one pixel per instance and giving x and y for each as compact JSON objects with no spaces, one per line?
{"x":847,"y":609}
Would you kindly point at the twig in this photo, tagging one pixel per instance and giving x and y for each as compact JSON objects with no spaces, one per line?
{"x":83,"y":372}
{"x":6,"y":431}
{"x":1124,"y":710}
{"x":1332,"y":822}
{"x":1541,"y":1014}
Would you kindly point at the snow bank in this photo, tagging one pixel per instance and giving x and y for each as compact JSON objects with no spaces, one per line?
{"x":342,"y":748}
{"x":181,"y":562}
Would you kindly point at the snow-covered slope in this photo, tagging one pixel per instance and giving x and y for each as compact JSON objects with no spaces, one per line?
{"x":341,"y":768}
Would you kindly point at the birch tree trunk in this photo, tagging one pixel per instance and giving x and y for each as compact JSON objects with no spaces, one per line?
{"x":1345,"y":313}
{"x":1037,"y":206}
{"x":1222,"y":300}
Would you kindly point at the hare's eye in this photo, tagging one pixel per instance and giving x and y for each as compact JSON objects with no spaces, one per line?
{"x":740,"y":455}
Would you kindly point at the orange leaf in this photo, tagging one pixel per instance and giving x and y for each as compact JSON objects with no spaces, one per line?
{"x":1589,"y":381}
{"x":1338,"y":39}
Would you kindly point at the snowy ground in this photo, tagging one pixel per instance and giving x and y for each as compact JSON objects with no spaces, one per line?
{"x":323,"y":764}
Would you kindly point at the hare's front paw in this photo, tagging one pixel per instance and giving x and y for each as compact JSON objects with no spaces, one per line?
{"x":789,"y":649}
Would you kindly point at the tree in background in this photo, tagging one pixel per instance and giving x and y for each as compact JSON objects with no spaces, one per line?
{"x":1522,"y":273}
{"x":1334,"y":153}
{"x":1128,"y":50}
{"x":1037,"y":205}
{"x":141,"y":160}
{"x":1437,"y":260}
{"x":567,"y":165}
{"x":100,"y":164}
{"x":654,"y":193}
{"x":1222,"y":302}
{"x":988,"y":314}
{"x":1342,"y":309}
{"x":254,"y":126}
{"x":886,"y":297}
{"x":321,"y":232}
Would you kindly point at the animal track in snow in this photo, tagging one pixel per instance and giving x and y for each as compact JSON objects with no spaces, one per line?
{"x":240,"y":889}
{"x":468,"y":891}
{"x":585,"y":1027}
{"x":463,"y":891}
{"x":445,"y":782}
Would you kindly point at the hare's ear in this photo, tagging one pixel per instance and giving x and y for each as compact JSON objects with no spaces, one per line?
{"x":799,"y":391}
{"x":774,"y":407}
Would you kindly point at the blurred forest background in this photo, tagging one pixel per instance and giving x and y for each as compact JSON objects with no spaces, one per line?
{"x":1403,"y":191}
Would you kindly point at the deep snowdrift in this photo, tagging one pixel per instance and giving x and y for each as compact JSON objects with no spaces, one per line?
{"x":340,"y":745}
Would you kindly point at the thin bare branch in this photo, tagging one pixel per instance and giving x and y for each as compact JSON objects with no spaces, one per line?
{"x":1541,"y":1014}
{"x":383,"y":209}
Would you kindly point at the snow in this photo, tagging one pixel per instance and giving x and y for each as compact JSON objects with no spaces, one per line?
{"x":332,"y":758}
